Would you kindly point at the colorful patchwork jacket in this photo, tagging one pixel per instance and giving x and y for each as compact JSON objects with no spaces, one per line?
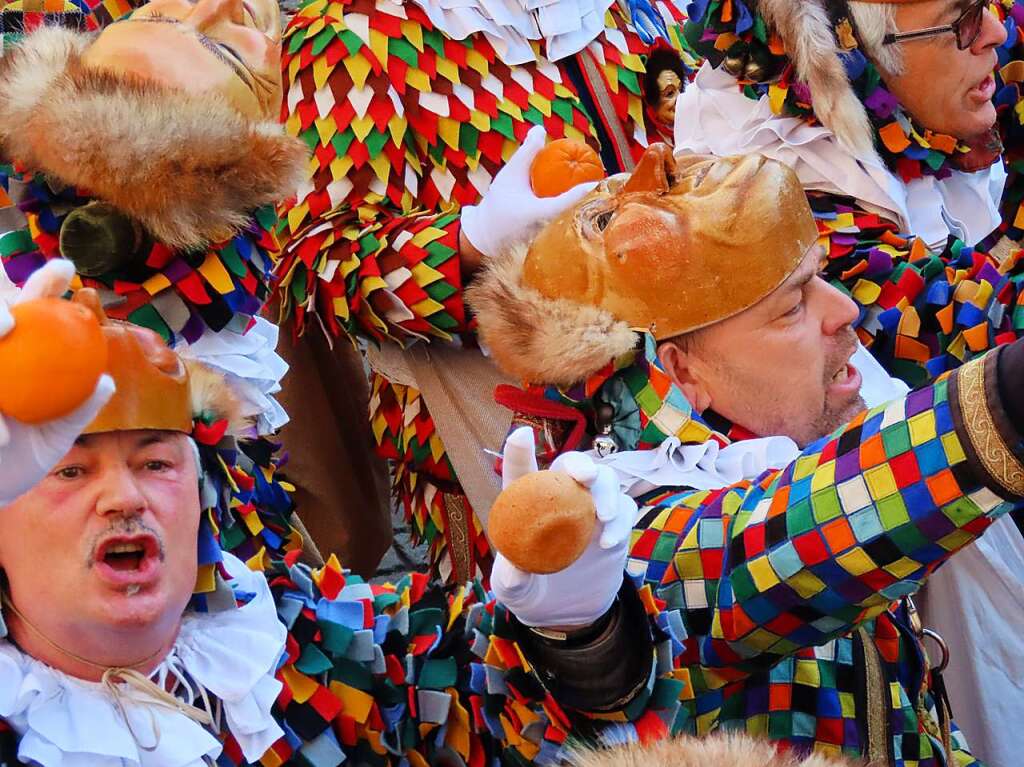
{"x":406,"y":125}
{"x":766,"y":606}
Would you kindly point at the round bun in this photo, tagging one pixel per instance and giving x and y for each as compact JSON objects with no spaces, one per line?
{"x":542,"y":522}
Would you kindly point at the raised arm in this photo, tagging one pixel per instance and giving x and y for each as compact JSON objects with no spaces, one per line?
{"x":408,"y":131}
{"x":858,"y":521}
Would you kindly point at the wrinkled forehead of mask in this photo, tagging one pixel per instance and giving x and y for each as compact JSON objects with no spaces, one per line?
{"x":679,"y":244}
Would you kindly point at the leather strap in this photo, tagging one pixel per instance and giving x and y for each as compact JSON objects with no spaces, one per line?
{"x":876,"y":697}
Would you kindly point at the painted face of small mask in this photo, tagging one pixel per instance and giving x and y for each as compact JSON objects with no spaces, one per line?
{"x":669,"y":87}
{"x":229,"y":47}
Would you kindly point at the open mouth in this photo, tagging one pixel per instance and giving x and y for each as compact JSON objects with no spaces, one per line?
{"x":845,"y":382}
{"x":128,"y":559}
{"x":842,"y":375}
{"x":985,"y":89}
{"x":125,"y":556}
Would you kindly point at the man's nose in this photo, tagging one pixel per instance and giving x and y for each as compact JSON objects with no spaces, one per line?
{"x":839,"y":310}
{"x":206,"y":13}
{"x":993,"y":33}
{"x":119,"y":493}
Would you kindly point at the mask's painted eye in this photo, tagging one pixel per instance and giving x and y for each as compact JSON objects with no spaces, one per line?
{"x":595,"y":216}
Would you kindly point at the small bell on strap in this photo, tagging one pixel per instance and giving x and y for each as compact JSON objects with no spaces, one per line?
{"x":604,"y":443}
{"x":735,"y":60}
{"x":98,"y":239}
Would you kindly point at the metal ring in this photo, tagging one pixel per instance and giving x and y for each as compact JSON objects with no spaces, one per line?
{"x":942,"y":646}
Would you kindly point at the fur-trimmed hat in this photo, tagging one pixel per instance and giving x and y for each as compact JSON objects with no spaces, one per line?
{"x":809,"y":37}
{"x":812,"y":37}
{"x":681,"y":244}
{"x":188,"y":167}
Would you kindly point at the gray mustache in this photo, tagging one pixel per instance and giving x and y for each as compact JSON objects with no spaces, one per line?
{"x":126,"y":526}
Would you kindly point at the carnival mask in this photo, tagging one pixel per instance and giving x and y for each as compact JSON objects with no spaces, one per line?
{"x":669,"y":88}
{"x":153,"y":390}
{"x":681,"y":243}
{"x":231,"y":47}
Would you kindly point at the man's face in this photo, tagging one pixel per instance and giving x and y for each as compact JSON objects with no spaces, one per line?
{"x":231,"y":47}
{"x":107,"y":541}
{"x":945,"y":89}
{"x":782,"y":366}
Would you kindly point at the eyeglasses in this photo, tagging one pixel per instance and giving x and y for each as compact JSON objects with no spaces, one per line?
{"x":967,"y":28}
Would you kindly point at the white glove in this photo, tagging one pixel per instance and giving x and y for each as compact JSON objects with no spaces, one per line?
{"x":510,"y":212}
{"x":584,"y":591}
{"x":27,"y":452}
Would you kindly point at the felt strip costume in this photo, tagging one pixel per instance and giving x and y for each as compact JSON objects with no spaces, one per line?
{"x":682,"y":535}
{"x":751,"y":593}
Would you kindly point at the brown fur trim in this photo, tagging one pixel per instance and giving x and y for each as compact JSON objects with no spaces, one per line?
{"x":541,"y":340}
{"x":810,"y":42}
{"x":188,"y":167}
{"x":214,"y":399}
{"x":726,"y":749}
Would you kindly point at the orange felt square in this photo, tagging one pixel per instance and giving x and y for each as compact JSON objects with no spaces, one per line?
{"x":943,"y":487}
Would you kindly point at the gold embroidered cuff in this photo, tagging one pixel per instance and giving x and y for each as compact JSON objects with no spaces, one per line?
{"x":979,"y":412}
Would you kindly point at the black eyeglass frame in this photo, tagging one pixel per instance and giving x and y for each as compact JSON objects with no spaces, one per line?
{"x":919,"y":34}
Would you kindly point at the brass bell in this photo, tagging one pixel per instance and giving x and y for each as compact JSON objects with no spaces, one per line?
{"x":735,"y":65}
{"x":754,"y":70}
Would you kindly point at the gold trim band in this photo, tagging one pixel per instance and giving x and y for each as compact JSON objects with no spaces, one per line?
{"x":994,"y":454}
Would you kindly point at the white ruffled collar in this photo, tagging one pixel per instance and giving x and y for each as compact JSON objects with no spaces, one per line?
{"x":248,"y":357}
{"x":229,"y":658}
{"x":566,"y":26}
{"x":714,"y":117}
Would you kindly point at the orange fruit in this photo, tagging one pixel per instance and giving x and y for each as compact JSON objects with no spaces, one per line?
{"x":51,"y":361}
{"x":563,"y":164}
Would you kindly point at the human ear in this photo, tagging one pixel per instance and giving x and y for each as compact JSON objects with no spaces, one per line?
{"x":686,"y":373}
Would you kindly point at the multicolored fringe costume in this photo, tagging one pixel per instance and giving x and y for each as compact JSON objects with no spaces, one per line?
{"x":1009,"y":100}
{"x":406,"y":125}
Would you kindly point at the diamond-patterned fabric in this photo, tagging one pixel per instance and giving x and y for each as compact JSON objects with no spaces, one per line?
{"x":405,"y":126}
{"x":179,"y":295}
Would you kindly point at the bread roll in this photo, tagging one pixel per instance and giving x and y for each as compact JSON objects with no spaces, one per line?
{"x":542,"y":522}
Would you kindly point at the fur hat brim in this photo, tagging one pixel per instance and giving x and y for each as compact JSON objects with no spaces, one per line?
{"x":807,"y":33}
{"x":538,"y":339}
{"x":188,"y":167}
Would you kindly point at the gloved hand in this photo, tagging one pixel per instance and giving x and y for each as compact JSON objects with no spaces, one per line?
{"x":583,"y":592}
{"x":27,"y":452}
{"x":510,"y":212}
